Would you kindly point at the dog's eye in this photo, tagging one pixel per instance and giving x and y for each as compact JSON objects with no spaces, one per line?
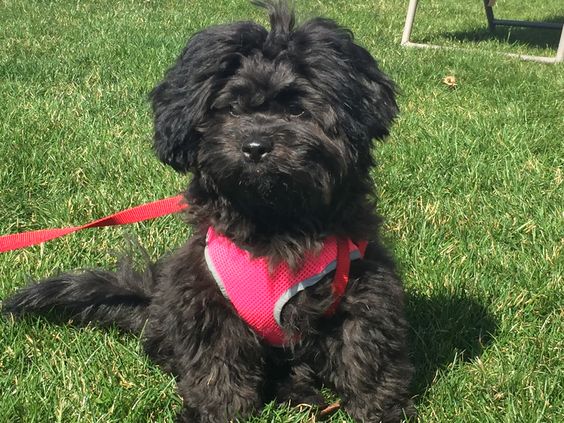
{"x":233,"y":111}
{"x":295,"y":110}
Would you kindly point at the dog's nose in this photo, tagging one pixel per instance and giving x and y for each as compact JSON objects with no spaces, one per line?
{"x":256,"y":150}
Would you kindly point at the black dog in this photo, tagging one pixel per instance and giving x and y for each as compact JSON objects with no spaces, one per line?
{"x":277,"y":129}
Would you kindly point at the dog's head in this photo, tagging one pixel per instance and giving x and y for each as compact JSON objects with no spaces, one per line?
{"x":277,"y":123}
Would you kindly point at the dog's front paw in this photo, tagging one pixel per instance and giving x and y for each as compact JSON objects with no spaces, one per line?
{"x":366,"y":412}
{"x":304,"y":395}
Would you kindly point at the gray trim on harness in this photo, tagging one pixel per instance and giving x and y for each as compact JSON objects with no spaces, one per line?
{"x":214,"y":272}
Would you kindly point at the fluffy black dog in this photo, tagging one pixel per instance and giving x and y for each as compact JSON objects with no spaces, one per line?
{"x":276,"y":128}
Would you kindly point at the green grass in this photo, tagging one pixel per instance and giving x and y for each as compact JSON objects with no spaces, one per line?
{"x":470,"y":182}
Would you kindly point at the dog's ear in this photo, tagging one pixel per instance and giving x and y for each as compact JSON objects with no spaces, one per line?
{"x":363,"y":96}
{"x":377,"y":107}
{"x":182,"y":101}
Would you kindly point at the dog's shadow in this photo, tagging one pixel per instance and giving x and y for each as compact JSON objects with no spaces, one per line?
{"x":444,"y":329}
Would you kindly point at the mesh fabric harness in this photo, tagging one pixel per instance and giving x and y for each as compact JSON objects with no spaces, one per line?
{"x":258,"y":292}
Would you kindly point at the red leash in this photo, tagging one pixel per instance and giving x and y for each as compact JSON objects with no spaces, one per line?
{"x":136,"y":214}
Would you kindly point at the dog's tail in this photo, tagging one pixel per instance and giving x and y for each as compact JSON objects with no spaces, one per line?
{"x":101,"y":297}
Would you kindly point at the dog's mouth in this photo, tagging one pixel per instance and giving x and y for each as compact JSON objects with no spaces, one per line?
{"x":259,"y":184}
{"x":273,"y":189}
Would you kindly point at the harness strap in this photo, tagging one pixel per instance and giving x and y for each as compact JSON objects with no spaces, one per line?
{"x":341,"y":278}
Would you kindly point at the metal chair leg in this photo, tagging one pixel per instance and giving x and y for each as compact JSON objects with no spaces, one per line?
{"x":560,"y":52}
{"x":489,"y":14}
{"x":410,"y":18}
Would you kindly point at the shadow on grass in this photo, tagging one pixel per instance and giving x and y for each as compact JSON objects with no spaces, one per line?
{"x":442,"y":329}
{"x":528,"y":37}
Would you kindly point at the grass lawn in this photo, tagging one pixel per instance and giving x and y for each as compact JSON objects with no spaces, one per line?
{"x":470,"y":182}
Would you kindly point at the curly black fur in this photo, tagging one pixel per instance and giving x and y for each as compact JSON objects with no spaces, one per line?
{"x":276,"y":128}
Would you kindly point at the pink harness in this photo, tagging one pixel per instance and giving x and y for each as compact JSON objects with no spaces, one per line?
{"x":259,"y":293}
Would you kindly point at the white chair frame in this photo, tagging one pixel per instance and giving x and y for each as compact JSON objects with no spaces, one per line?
{"x":492,"y":23}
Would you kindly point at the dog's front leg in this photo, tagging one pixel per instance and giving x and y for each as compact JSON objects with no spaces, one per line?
{"x":226,"y":379}
{"x":367,"y":363}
